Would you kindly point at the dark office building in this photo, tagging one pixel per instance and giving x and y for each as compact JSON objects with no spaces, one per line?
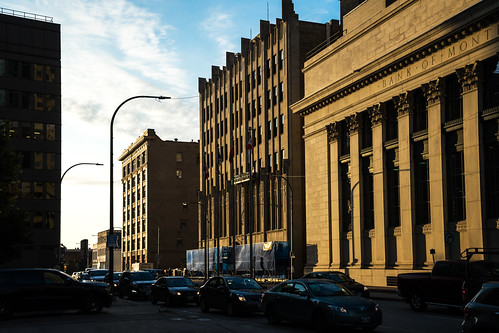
{"x":30,"y":102}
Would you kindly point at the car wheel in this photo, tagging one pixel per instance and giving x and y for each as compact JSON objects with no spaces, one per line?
{"x":271,"y":314}
{"x":204,"y":307}
{"x":319,"y":322}
{"x":92,"y":304}
{"x":153,"y":299}
{"x":417,"y":302}
{"x":229,"y":309}
{"x":5,"y":310}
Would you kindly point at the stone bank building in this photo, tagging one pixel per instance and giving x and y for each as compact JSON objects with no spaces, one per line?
{"x":401,"y":137}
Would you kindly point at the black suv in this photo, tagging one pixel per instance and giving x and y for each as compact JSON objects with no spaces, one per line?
{"x":31,"y":289}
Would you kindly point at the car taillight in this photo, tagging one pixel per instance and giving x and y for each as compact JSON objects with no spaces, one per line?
{"x":465,"y":294}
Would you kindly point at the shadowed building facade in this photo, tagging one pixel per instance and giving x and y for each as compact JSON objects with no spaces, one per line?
{"x":255,"y":197}
{"x":401,"y":137}
{"x":158,"y":177}
{"x":30,"y":102}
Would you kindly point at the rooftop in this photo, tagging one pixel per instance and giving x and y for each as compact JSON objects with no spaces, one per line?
{"x":25,"y":15}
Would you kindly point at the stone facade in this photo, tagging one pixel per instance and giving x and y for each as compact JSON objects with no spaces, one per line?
{"x":401,"y":138}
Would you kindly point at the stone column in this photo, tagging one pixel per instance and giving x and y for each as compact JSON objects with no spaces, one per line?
{"x":335,"y":231}
{"x":405,"y":244}
{"x":355,"y":173}
{"x":436,"y":156}
{"x":377,"y":116}
{"x":472,"y":231}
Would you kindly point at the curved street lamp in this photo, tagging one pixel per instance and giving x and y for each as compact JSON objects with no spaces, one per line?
{"x":65,"y":172}
{"x":111,"y":241}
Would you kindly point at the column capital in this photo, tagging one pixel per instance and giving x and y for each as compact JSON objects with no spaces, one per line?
{"x":433,"y":91}
{"x":403,"y":104}
{"x":468,"y":77}
{"x":377,"y":114}
{"x":353,"y":123}
{"x":333,"y":131}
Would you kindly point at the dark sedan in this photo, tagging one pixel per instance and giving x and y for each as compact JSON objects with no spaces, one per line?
{"x":174,"y":290}
{"x":481,"y":314}
{"x":32,"y":289}
{"x":320,"y":303}
{"x":135,"y":284}
{"x":341,"y":279}
{"x":232,"y":294}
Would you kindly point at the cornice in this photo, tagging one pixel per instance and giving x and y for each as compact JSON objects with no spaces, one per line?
{"x":303,"y":108}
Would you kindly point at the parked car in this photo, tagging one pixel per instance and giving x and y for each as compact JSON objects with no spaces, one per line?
{"x":156,"y":273}
{"x":342,"y":279}
{"x":97,"y":274}
{"x":232,"y":294}
{"x":32,"y":289}
{"x":174,"y":290}
{"x":135,"y":284}
{"x":450,"y":283}
{"x":321,"y":303}
{"x":482,"y":313}
{"x":116,"y":280}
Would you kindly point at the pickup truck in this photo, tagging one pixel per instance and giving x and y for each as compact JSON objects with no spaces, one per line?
{"x":451,"y":283}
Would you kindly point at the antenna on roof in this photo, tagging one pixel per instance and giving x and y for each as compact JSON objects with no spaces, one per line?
{"x":268,"y":17}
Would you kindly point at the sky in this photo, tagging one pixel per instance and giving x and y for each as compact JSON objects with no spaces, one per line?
{"x":112,"y":50}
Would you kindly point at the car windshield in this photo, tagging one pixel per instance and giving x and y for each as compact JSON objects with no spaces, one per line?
{"x":243,"y":283}
{"x":141,"y":276}
{"x":179,"y":283}
{"x":327,"y":289}
{"x":97,"y":273}
{"x":337,"y":277}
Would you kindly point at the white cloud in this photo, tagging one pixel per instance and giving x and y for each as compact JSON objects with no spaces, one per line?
{"x":218,"y":27}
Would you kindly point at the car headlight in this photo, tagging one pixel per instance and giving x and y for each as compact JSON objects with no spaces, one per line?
{"x":338,"y":308}
{"x":365,"y":288}
{"x":377,"y":308}
{"x":175,"y":293}
{"x":241,"y":298}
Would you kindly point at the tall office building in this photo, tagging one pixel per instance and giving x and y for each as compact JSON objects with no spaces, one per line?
{"x":253,"y":198}
{"x":160,"y":179}
{"x":401,"y":121}
{"x":30,"y":102}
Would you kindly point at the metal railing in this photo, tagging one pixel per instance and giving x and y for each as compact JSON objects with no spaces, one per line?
{"x":26,"y":15}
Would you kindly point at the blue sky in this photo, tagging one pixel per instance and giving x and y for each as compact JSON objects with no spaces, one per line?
{"x":116,"y":49}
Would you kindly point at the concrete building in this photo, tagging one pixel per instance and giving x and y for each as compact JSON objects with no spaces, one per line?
{"x":158,"y":178}
{"x":100,"y":252}
{"x":401,"y":137}
{"x":30,"y":102}
{"x":253,"y":198}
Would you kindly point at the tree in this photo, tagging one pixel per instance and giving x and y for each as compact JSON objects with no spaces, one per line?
{"x":13,"y":222}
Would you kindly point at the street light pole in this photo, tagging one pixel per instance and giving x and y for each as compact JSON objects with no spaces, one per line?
{"x":62,"y":177}
{"x":100,"y":164}
{"x":110,"y":237}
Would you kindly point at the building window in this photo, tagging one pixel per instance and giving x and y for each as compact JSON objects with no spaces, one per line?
{"x":393,"y":187}
{"x":422,"y":185}
{"x":281,"y":124}
{"x":491,"y":154}
{"x":420,"y":113}
{"x":344,"y":139}
{"x":368,"y":193}
{"x":281,"y":59}
{"x":179,"y":174}
{"x":259,"y":75}
{"x":453,"y":105}
{"x":490,"y":89}
{"x":366,"y":130}
{"x":281,"y":91}
{"x":455,"y":177}
{"x":275,"y":126}
{"x":391,"y":121}
{"x":346,"y":206}
{"x":179,"y":157}
{"x":269,"y":130}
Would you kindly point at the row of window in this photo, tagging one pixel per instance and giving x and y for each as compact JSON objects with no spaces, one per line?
{"x":28,"y":71}
{"x":31,"y":130}
{"x":39,"y":160}
{"x":134,"y":164}
{"x":28,"y":100}
{"x":253,"y":80}
{"x":37,"y":190}
{"x":44,"y":220}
